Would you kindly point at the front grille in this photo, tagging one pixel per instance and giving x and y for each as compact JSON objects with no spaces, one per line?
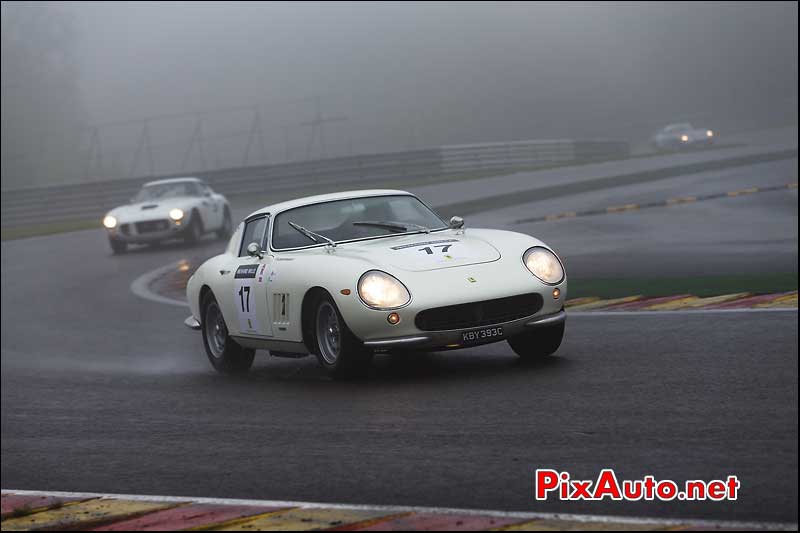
{"x":476,"y":314}
{"x":125,"y":229}
{"x":152,"y":226}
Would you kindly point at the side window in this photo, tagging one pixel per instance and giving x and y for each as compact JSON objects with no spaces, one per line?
{"x":254,"y":231}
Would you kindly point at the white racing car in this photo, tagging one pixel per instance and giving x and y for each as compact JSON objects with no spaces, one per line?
{"x":348,"y":275}
{"x":184,"y":208}
{"x":681,"y":136}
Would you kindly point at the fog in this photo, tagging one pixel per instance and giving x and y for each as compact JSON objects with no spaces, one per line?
{"x":395,"y":76}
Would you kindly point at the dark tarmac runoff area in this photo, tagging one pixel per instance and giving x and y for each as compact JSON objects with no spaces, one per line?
{"x":746,"y":234}
{"x":105,"y":392}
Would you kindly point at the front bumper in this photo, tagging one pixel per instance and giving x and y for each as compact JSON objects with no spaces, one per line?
{"x":127,"y":232}
{"x":453,"y":339}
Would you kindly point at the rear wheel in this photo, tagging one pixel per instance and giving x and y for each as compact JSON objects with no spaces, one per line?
{"x":339,"y":351}
{"x":225,"y":355}
{"x":118,"y":246}
{"x":538,"y":344}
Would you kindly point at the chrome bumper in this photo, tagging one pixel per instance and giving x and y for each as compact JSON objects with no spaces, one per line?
{"x":428,"y":340}
{"x":191,"y":323}
{"x":172,"y":232}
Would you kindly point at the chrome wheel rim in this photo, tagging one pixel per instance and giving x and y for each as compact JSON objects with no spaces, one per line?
{"x":216,"y":332}
{"x":328,"y":333}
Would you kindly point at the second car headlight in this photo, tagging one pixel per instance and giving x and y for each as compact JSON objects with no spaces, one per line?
{"x":176,"y":214}
{"x":110,"y":222}
{"x":544,"y":265}
{"x":380,"y":290}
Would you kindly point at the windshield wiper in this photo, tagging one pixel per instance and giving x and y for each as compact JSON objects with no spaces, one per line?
{"x":316,"y":237}
{"x":388,"y":224}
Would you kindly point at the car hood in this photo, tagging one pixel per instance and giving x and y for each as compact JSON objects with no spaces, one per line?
{"x":150,"y":210}
{"x":425,"y":251}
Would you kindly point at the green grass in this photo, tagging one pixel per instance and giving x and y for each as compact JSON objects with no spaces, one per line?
{"x":50,"y":228}
{"x":697,"y":285}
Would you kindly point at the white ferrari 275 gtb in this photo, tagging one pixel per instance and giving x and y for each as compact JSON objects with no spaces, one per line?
{"x":347,"y":275}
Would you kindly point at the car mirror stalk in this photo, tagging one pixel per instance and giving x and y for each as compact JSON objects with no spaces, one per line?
{"x":254,"y":250}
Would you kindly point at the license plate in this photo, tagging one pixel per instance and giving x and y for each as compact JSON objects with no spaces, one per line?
{"x":479,"y":335}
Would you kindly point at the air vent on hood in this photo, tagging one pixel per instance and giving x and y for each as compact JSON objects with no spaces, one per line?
{"x":149,"y":206}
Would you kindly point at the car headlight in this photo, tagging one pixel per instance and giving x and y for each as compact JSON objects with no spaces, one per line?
{"x":709,"y":133}
{"x":544,"y":265}
{"x":176,"y":214}
{"x":685,"y":138}
{"x":110,"y":222}
{"x":379,"y":290}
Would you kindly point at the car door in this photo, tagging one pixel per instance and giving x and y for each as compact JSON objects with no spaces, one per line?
{"x":246,"y":284}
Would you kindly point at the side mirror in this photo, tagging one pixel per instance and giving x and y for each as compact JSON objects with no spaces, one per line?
{"x":456,"y":223}
{"x":254,"y":250}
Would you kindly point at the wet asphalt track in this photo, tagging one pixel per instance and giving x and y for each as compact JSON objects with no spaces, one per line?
{"x":102,"y":391}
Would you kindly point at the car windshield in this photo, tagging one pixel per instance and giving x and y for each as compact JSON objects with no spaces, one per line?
{"x":355,"y":218}
{"x":161,"y":191}
{"x":678,"y":127}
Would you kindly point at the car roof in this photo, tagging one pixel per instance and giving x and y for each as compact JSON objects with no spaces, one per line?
{"x":173,"y":180}
{"x":320,"y":198}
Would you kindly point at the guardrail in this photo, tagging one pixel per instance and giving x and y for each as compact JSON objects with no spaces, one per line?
{"x":91,"y":200}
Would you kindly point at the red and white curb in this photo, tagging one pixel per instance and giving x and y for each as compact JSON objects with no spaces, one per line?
{"x":24,"y":510}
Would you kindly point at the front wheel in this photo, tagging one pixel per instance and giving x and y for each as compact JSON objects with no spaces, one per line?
{"x":538,"y":344}
{"x":227,"y":226}
{"x":195,"y":230}
{"x":336,"y":348}
{"x":118,"y":246}
{"x":225,"y":355}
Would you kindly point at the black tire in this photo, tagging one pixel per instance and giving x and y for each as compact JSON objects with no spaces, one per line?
{"x":194,"y":232}
{"x":352,"y":359}
{"x":118,"y":246}
{"x":227,"y":226}
{"x":225,"y":355}
{"x":538,"y":344}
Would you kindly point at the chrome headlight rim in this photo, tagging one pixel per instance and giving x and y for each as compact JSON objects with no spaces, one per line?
{"x":176,"y":214}
{"x":376,"y":308}
{"x":110,"y":218}
{"x":551,"y":252}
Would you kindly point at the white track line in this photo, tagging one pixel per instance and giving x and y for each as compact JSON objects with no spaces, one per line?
{"x":141,"y":286}
{"x":391,"y":509}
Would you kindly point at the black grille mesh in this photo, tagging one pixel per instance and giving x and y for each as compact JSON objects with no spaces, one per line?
{"x":476,"y":314}
{"x":150,"y":226}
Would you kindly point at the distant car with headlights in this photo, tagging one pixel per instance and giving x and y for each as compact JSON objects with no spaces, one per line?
{"x":178,"y":208}
{"x":682,"y":136}
{"x":345,"y":276}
